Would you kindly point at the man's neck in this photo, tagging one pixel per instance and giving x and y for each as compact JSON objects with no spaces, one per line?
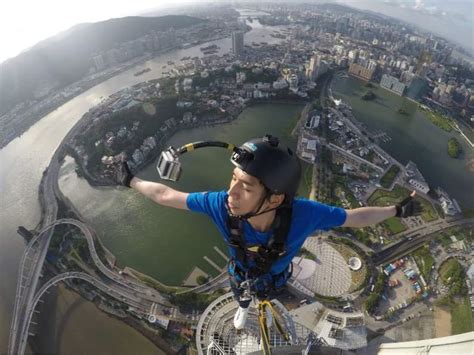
{"x":263,"y":222}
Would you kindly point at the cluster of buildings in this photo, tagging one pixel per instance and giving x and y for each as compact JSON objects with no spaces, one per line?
{"x":151,"y":42}
{"x":403,"y":60}
{"x":415,"y":178}
{"x":157,"y":41}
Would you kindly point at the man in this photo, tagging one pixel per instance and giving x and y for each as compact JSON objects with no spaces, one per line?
{"x":259,"y":216}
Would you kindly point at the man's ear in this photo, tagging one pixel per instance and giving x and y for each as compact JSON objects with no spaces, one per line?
{"x":277,"y":200}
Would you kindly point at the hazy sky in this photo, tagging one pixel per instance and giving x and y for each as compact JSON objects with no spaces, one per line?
{"x":23,"y":23}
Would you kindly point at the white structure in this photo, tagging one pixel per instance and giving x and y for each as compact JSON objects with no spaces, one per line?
{"x":280,"y":84}
{"x":293,"y":80}
{"x":240,"y":77}
{"x":355,"y":263}
{"x":454,"y":344}
{"x":187,"y":84}
{"x":421,"y":186}
{"x":303,"y":268}
{"x":415,"y":178}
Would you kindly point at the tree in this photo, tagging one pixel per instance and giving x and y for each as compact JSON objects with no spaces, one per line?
{"x":201,"y":279}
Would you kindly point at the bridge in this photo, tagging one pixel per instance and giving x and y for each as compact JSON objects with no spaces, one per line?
{"x":132,"y":292}
{"x":24,"y":332}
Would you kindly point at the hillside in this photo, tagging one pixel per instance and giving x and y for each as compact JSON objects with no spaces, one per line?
{"x":65,"y":58}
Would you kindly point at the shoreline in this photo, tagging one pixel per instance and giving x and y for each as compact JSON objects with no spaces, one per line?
{"x":134,"y":63}
{"x":93,"y":181}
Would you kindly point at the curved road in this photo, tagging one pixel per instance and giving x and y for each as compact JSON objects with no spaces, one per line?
{"x":131,"y":300}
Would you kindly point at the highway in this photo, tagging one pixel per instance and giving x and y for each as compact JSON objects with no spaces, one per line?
{"x":35,"y":253}
{"x":133,"y":301}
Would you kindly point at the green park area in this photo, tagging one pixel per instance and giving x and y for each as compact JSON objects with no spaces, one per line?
{"x":454,"y":148}
{"x":387,"y":180}
{"x":424,"y":260}
{"x":461,"y":316}
{"x":452,"y":274}
{"x":382,"y":197}
{"x":461,"y":233}
{"x":372,"y":301}
{"x":439,"y":120}
{"x":341,"y":194}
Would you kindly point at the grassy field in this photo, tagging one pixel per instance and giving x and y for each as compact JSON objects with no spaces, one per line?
{"x":389,"y":176}
{"x":448,"y":267}
{"x":461,"y":316}
{"x":439,"y":120}
{"x":394,"y":225}
{"x":424,"y":260}
{"x":382,"y":197}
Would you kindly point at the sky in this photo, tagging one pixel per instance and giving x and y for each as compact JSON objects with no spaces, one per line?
{"x":24,"y":23}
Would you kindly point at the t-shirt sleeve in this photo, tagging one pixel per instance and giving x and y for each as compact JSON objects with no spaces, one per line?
{"x":204,"y":202}
{"x":211,"y":204}
{"x":323,"y":217}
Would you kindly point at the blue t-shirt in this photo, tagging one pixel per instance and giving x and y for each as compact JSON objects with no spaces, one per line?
{"x":307,"y":217}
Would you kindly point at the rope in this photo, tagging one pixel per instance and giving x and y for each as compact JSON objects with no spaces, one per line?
{"x":262,"y":321}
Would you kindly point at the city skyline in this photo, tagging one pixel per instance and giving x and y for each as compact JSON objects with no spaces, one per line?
{"x":40,"y":23}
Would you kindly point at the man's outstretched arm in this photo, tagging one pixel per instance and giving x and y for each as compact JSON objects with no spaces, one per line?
{"x":159,"y":193}
{"x":366,"y":216}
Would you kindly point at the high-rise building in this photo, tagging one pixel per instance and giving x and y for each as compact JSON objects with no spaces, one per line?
{"x":418,"y":88}
{"x":237,"y":43}
{"x":99,"y":62}
{"x":361,"y":72}
{"x":393,"y":84}
{"x":317,"y":67}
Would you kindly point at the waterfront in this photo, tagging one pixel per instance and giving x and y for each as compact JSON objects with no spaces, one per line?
{"x":24,"y":159}
{"x":413,"y":137}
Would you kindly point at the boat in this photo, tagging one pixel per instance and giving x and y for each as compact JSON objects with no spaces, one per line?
{"x":210,"y":52}
{"x":138,"y":73}
{"x":169,"y":62}
{"x":211,"y":47}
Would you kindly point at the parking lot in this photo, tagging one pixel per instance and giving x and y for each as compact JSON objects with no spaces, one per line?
{"x":399,"y":294}
{"x":413,"y":222}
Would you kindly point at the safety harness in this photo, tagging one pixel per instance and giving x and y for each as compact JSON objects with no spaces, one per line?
{"x":266,"y":255}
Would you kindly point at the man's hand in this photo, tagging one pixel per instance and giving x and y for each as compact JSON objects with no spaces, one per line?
{"x":408,"y":207}
{"x":120,"y":174}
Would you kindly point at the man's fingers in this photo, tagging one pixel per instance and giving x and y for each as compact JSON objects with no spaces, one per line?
{"x":413,"y":193}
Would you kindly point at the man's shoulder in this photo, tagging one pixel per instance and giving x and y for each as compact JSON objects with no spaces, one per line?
{"x":304,"y":206}
{"x":301,"y":203}
{"x":206,"y":200}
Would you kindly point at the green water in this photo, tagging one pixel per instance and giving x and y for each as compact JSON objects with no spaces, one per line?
{"x":163,"y":242}
{"x":413,"y":137}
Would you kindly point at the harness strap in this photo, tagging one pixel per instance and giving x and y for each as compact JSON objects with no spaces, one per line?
{"x":266,"y":255}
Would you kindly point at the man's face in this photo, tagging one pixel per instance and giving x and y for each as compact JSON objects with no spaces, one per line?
{"x":245,"y":193}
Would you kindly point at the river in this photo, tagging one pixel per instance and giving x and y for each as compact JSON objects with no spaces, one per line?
{"x":414,"y":137}
{"x":24,"y":159}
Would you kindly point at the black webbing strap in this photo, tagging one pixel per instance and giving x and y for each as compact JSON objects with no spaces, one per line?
{"x":237,"y":242}
{"x":266,"y":255}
